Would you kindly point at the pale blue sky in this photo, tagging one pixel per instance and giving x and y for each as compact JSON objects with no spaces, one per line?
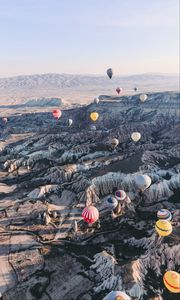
{"x":88,"y":36}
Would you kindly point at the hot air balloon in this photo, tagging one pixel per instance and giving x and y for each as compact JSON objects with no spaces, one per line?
{"x":172,"y":281}
{"x":93,"y":127}
{"x":120,"y":195}
{"x":119,"y":90}
{"x":94,"y":116}
{"x":5,"y":120}
{"x":135,"y":136}
{"x":135,"y":89}
{"x":90,"y":214}
{"x":117,"y":295}
{"x":142,"y":181}
{"x":109,"y":72}
{"x":143,"y":97}
{"x":111,"y":202}
{"x":96,"y":100}
{"x":127,"y":200}
{"x":164,"y":214}
{"x":163,"y":228}
{"x":114,"y":142}
{"x":70,"y":121}
{"x":57,"y":114}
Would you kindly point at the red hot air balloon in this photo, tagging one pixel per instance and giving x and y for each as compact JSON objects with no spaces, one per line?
{"x":57,"y":114}
{"x":119,"y":90}
{"x":90,"y":214}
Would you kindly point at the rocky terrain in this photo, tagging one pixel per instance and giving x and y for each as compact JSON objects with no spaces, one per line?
{"x":80,"y":88}
{"x":49,"y":172}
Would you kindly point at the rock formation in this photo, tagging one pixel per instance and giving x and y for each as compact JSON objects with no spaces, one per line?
{"x":49,"y":172}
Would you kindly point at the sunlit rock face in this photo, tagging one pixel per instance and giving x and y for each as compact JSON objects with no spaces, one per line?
{"x":49,"y":172}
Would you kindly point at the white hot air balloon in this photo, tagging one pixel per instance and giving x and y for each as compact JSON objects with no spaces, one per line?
{"x":70,"y":121}
{"x":117,"y":295}
{"x":142,"y":182}
{"x":96,"y":100}
{"x":114,"y":142}
{"x":143,"y":97}
{"x":93,"y":127}
{"x":109,"y":72}
{"x":111,"y":202}
{"x":135,"y":136}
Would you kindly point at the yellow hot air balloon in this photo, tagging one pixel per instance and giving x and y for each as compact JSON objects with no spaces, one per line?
{"x":94,"y":116}
{"x":163,"y":228}
{"x":172,"y":281}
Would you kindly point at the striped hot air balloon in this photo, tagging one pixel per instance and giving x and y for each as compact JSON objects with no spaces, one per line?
{"x":164,"y":214}
{"x":90,"y":214}
{"x":120,"y":195}
{"x":172,"y":281}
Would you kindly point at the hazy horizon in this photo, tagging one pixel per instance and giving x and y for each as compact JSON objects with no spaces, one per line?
{"x":87,"y":37}
{"x":94,"y":75}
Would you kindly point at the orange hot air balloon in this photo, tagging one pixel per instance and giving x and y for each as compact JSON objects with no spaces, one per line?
{"x":172,"y":281}
{"x":90,"y":214}
{"x":119,"y":90}
{"x":57,"y":114}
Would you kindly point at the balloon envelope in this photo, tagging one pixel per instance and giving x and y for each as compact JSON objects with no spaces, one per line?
{"x":142,"y":181}
{"x":115,"y":142}
{"x":143,"y":97}
{"x":172,"y":281}
{"x":90,"y":214}
{"x":119,"y":90}
{"x":93,"y":127}
{"x":120,"y":195}
{"x":5,"y":120}
{"x":135,"y":89}
{"x":70,"y":121}
{"x":96,"y":100}
{"x":109,"y":72}
{"x":164,"y":214}
{"x":117,"y":295}
{"x":135,"y":136}
{"x":111,"y":202}
{"x":57,"y":113}
{"x":163,"y":227}
{"x":94,"y":116}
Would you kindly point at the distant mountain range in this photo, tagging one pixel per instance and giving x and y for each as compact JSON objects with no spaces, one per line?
{"x":80,"y":88}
